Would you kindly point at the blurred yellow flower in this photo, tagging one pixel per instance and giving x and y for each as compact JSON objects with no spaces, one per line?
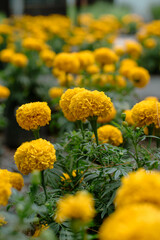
{"x":4,"y":92}
{"x":139,"y":76}
{"x":19,"y":60}
{"x":55,"y":92}
{"x":105,"y":56}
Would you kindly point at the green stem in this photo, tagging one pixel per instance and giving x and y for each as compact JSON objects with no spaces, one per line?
{"x":93,"y":122}
{"x":43,"y":185}
{"x":36,"y":133}
{"x":150,"y":132}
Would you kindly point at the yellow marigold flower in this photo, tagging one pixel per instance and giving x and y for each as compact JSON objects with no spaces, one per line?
{"x":128,"y":61}
{"x":4,"y":92}
{"x":82,"y":203}
{"x":66,"y":100}
{"x":109,"y":117}
{"x":128,"y":117}
{"x":48,"y":57}
{"x":109,"y":68}
{"x":35,"y":155}
{"x":5,"y":29}
{"x":146,"y":112}
{"x":139,"y":76}
{"x":133,"y":48}
{"x":90,"y":103}
{"x":139,"y":187}
{"x":110,"y":134}
{"x":40,"y":230}
{"x":19,"y":60}
{"x":92,"y":69}
{"x":67,"y":177}
{"x":152,"y":98}
{"x":33,"y":44}
{"x":33,"y":115}
{"x":105,"y":56}
{"x":65,"y":80}
{"x":2,"y":221}
{"x":125,"y":67}
{"x":86,"y":58}
{"x":15,"y":179}
{"x":56,"y":72}
{"x":150,"y":43}
{"x":55,"y":92}
{"x":6,"y":55}
{"x":67,"y":62}
{"x":117,"y":80}
{"x":119,"y":50}
{"x":132,"y":222}
{"x":5,"y":189}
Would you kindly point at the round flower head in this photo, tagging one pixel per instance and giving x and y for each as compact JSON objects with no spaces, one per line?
{"x":82,"y":203}
{"x":33,"y":44}
{"x":15,"y":179}
{"x":5,"y":189}
{"x":6,"y":55}
{"x":133,"y":48}
{"x":66,"y":100}
{"x":152,"y":98}
{"x":146,"y":112}
{"x":35,"y":155}
{"x":132,"y":222}
{"x":105,"y":56}
{"x":139,"y":76}
{"x":31,"y":116}
{"x":55,"y":92}
{"x":19,"y":60}
{"x":110,"y":134}
{"x":67,"y":62}
{"x":128,"y":117}
{"x":92,"y":69}
{"x":150,"y":43}
{"x":4,"y":92}
{"x":48,"y":57}
{"x":139,"y":187}
{"x":109,"y":116}
{"x":90,"y":103}
{"x":86,"y":58}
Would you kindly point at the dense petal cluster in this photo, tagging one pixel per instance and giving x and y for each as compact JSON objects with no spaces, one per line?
{"x":90,"y":103}
{"x":150,"y":43}
{"x":15,"y":179}
{"x":133,"y":48}
{"x":55,"y":92}
{"x":4,"y":92}
{"x":109,"y":116}
{"x":139,"y":187}
{"x":146,"y":112}
{"x":79,"y":206}
{"x":128,"y":117}
{"x":31,"y":43}
{"x":110,"y":134}
{"x":67,"y":62}
{"x":35,"y":155}
{"x":132,"y":222}
{"x":139,"y":76}
{"x":105,"y":56}
{"x":66,"y":100}
{"x":19,"y":60}
{"x":86,"y":58}
{"x":48,"y":57}
{"x":6,"y":55}
{"x":31,"y":116}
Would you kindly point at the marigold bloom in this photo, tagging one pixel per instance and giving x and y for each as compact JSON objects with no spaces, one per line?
{"x":31,"y":116}
{"x":117,"y":80}
{"x":5,"y":189}
{"x":90,"y":103}
{"x":35,"y":155}
{"x":151,"y":98}
{"x":110,"y":134}
{"x":92,"y":69}
{"x":86,"y":58}
{"x":55,"y":92}
{"x":6,"y":55}
{"x":125,"y":67}
{"x":109,"y":116}
{"x":133,"y":48}
{"x":132,"y":222}
{"x":19,"y":60}
{"x":109,"y":68}
{"x":150,"y":43}
{"x":48,"y":57}
{"x":139,"y":76}
{"x":4,"y":92}
{"x":119,"y":50}
{"x":82,"y":203}
{"x":33,"y":44}
{"x":67,"y":62}
{"x":139,"y":187}
{"x":15,"y":179}
{"x":105,"y":56}
{"x":146,"y":112}
{"x":128,"y":117}
{"x":66,"y":100}
{"x":67,"y":177}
